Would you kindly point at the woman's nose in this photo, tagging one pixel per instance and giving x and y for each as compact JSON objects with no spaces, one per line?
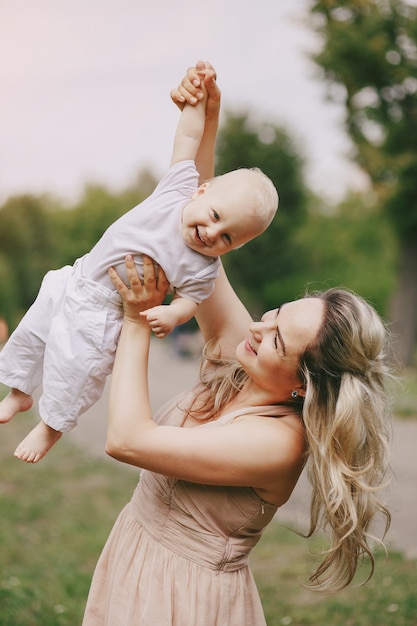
{"x":256,"y":329}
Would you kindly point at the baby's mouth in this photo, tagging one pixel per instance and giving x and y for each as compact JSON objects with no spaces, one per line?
{"x":198,"y":236}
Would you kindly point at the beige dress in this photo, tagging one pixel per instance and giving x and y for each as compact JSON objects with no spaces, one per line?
{"x":178,"y":552}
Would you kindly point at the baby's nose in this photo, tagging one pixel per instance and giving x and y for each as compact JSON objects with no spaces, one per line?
{"x":212,"y":232}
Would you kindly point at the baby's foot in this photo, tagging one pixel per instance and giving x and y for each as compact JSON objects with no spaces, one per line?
{"x":37,"y":443}
{"x":15,"y":402}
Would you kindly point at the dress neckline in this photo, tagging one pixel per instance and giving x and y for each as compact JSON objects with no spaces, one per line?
{"x":270,"y":410}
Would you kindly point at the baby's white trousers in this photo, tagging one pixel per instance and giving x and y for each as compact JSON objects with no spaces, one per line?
{"x":66,"y":342}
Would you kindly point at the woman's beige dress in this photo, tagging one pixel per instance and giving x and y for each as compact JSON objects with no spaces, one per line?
{"x":178,"y":552}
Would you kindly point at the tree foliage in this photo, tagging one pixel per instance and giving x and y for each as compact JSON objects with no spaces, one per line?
{"x":351,"y":246}
{"x":27,"y":245}
{"x":304,"y":246}
{"x":370,"y":51}
{"x":37,"y":233}
{"x":263,"y":270}
{"x":369,"y":59}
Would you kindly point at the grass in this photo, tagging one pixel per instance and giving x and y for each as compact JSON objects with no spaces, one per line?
{"x":282,"y":562}
{"x":55,"y":517}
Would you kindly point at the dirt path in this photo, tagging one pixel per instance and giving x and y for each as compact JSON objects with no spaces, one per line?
{"x":170,"y":375}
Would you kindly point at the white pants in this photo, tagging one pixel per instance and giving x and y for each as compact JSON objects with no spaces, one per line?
{"x":66,"y":341}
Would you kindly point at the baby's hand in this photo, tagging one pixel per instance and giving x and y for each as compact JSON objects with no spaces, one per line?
{"x":161,"y":319}
{"x":190,"y":88}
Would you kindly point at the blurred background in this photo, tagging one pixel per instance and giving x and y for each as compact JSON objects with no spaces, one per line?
{"x":320,"y":95}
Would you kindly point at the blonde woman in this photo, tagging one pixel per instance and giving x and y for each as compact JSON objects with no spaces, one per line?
{"x":305,"y":384}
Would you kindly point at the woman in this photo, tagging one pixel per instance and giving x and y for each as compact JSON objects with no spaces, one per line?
{"x":305,"y":383}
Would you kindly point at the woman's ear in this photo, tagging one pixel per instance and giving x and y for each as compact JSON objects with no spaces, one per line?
{"x":300,"y":390}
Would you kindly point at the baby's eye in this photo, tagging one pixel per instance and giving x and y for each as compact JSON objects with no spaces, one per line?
{"x":276,"y":341}
{"x":216,"y":215}
{"x":227,"y":238}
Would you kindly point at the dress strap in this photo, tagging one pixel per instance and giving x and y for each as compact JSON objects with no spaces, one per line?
{"x":271,"y":410}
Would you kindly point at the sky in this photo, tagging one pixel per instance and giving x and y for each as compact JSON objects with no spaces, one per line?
{"x":84,"y":87}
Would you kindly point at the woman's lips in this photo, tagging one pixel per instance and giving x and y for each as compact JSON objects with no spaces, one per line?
{"x":249,"y":347}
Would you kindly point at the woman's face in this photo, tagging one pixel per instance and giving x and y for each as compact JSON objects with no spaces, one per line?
{"x":270,"y":355}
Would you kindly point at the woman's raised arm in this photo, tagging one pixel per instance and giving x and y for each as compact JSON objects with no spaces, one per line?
{"x":223,"y":316}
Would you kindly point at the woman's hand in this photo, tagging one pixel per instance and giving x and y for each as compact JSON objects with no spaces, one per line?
{"x":189,"y":90}
{"x":141,"y":295}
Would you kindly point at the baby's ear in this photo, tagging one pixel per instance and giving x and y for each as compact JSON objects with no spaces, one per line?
{"x":202,"y":188}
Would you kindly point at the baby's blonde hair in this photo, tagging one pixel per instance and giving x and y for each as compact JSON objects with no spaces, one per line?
{"x":265,"y":196}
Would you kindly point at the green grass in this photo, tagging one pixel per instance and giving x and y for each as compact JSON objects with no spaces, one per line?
{"x":55,"y":517}
{"x":281,"y":563}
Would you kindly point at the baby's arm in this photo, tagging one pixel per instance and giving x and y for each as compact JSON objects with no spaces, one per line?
{"x":163,"y":318}
{"x":190,"y":130}
{"x":189,"y":91}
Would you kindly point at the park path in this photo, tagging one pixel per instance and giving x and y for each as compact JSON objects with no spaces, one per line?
{"x":171,"y":374}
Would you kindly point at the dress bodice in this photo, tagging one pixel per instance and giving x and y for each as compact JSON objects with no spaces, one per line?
{"x":216,"y":526}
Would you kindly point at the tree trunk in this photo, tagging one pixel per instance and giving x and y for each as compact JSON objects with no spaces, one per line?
{"x":403,"y":314}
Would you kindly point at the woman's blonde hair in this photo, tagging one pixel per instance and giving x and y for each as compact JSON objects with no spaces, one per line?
{"x":346,"y":415}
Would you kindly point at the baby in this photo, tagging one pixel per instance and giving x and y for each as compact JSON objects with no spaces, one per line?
{"x":68,"y":337}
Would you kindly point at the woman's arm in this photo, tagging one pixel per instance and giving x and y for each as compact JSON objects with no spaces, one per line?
{"x":258,"y":452}
{"x":222,"y":316}
{"x":129,"y":392}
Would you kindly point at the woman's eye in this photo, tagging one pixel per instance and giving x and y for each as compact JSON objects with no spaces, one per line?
{"x":276,"y":341}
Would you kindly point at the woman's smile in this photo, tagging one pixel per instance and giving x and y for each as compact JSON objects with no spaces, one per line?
{"x":249,"y":346}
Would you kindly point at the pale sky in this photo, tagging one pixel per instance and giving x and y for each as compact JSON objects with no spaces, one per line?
{"x":84,"y":87}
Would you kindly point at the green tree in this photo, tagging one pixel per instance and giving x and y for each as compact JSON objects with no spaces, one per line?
{"x":263,"y":270}
{"x":81,"y":226}
{"x":369,"y":58}
{"x":27,"y":246}
{"x":38,"y":234}
{"x":353,"y":246}
{"x":9,"y":298}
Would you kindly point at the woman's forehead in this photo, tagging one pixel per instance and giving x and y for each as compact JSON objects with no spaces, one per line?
{"x":305,"y":315}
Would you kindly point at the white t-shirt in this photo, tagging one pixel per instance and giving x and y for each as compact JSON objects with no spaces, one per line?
{"x":153,"y":227}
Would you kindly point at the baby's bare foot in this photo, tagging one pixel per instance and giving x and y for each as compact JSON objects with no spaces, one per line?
{"x":15,"y":402}
{"x":37,"y":443}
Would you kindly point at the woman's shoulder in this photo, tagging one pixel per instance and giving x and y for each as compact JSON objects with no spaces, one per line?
{"x":279,"y":426}
{"x":279,"y":442}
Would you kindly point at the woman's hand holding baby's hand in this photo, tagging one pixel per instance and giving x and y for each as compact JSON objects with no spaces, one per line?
{"x":189,"y":89}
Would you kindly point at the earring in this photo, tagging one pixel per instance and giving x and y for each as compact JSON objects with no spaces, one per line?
{"x":294,"y":394}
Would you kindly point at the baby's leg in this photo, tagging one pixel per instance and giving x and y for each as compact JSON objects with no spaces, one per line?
{"x":15,"y":402}
{"x":37,"y":443}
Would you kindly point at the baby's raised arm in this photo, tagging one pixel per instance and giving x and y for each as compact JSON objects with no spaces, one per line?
{"x":189,"y":91}
{"x":190,"y":130}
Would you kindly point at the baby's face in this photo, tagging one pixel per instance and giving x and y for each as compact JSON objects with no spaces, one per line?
{"x":219,"y":219}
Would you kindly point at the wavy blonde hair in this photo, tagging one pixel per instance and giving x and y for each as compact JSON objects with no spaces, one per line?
{"x":346,"y":412}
